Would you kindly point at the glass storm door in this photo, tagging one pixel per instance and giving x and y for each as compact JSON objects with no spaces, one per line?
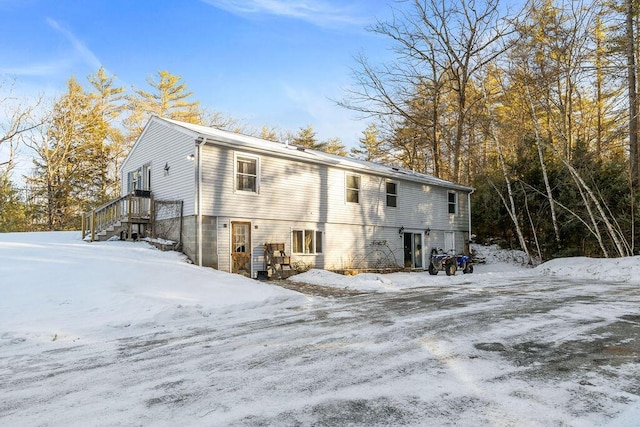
{"x":413,"y":250}
{"x":241,"y":248}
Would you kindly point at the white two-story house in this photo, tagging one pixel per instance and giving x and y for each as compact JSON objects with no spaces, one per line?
{"x":241,"y":192}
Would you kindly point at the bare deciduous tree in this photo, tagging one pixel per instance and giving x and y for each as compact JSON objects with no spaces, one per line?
{"x":440,"y":47}
{"x":16,"y":119}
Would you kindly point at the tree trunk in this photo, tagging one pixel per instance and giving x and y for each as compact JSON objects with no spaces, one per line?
{"x":632,"y":93}
{"x":457,"y":148}
{"x":544,"y":169}
{"x":623,"y":248}
{"x":599,"y":80}
{"x":511,"y":206}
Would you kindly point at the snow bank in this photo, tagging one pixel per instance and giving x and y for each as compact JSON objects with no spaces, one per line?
{"x":493,"y":254}
{"x":501,"y":265}
{"x":363,"y":281}
{"x":55,"y":282}
{"x":622,"y":270}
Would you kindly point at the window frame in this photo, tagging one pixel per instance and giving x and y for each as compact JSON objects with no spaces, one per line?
{"x":236,"y":182}
{"x":146,"y":176}
{"x":348,"y":189}
{"x":393,"y":195}
{"x":453,"y":203}
{"x":316,"y":236}
{"x":134,"y":180}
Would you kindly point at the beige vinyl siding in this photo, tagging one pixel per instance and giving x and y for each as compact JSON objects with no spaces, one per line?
{"x":160,"y":146}
{"x":345,"y":246}
{"x":299,"y":195}
{"x":267,"y":231}
{"x":224,"y":243}
{"x":287,"y":190}
{"x":298,"y":191}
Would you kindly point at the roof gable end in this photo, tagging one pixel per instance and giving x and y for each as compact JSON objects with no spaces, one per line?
{"x":160,"y":121}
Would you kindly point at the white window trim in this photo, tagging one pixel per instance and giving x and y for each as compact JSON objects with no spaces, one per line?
{"x":315,"y":246}
{"x":397,"y":196}
{"x":237,"y":155}
{"x":133,"y":177}
{"x":346,"y":189}
{"x":146,"y":176}
{"x":455,"y":202}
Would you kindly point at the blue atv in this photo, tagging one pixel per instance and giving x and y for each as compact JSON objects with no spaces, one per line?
{"x":449,"y":262}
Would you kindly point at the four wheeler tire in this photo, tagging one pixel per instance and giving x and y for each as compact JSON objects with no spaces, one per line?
{"x":432,"y":269}
{"x":450,"y":269}
{"x":468,"y":268}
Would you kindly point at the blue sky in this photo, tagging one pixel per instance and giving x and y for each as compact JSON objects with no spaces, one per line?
{"x":266,"y":62}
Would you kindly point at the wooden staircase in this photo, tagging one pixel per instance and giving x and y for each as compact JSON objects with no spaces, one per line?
{"x":129,"y":217}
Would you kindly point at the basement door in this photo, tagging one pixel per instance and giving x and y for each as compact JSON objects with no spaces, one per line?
{"x":413,"y":250}
{"x":241,"y":248}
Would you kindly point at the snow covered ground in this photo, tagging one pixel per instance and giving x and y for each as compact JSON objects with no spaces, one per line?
{"x":499,"y":263}
{"x":119,"y":333}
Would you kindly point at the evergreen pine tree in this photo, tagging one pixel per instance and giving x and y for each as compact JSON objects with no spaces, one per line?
{"x":334,"y":146}
{"x":108,"y":148}
{"x":168,"y":98}
{"x":370,"y":146}
{"x":13,"y":215}
{"x":62,"y":180}
{"x":306,"y":137}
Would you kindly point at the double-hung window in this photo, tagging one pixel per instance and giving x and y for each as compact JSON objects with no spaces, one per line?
{"x":247,"y":173}
{"x":352,"y":187}
{"x":307,"y":241}
{"x":452,"y":202}
{"x":392,"y":194}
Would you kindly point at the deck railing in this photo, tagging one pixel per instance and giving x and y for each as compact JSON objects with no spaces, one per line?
{"x":136,"y":207}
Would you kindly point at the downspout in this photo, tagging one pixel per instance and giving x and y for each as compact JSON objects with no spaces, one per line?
{"x":199,"y":143}
{"x":469,"y":209}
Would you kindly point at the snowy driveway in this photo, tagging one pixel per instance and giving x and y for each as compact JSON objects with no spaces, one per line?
{"x":524,"y":351}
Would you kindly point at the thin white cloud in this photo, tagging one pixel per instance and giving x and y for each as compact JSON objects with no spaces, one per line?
{"x":317,"y":12}
{"x":35,"y":70}
{"x":85,"y":53}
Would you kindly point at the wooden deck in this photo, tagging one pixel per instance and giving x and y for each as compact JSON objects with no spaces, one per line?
{"x":125,"y":216}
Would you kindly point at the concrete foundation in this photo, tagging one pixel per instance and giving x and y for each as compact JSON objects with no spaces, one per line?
{"x":189,"y":239}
